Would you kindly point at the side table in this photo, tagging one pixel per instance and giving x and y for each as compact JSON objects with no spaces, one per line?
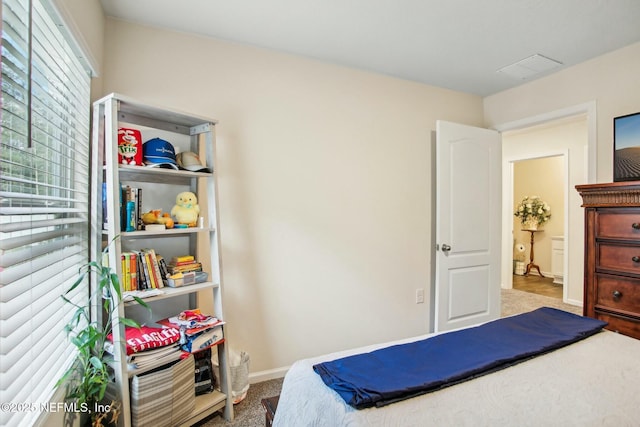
{"x":531,"y":264}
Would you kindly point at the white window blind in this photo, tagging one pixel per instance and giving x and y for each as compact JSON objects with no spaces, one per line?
{"x":44,"y":200}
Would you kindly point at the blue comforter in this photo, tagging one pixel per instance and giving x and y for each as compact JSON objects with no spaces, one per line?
{"x":402,"y":371}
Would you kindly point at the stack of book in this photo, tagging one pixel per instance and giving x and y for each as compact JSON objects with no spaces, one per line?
{"x":150,"y":359}
{"x":184,"y":264}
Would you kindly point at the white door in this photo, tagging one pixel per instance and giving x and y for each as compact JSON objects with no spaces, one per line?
{"x":468,"y":225}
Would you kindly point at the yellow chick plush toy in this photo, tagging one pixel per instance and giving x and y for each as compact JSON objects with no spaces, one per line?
{"x":186,"y":209}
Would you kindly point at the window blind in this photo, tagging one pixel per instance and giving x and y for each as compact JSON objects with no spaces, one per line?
{"x":44,"y":200}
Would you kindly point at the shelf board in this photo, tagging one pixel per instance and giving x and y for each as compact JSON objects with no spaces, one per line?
{"x":130,"y":106}
{"x":174,"y":292}
{"x":206,"y":404}
{"x":169,"y":232}
{"x":144,"y":234}
{"x":158,"y":175}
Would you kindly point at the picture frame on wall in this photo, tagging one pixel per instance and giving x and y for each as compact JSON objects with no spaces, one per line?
{"x":626,"y":148}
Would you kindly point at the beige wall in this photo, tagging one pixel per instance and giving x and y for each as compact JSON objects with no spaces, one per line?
{"x":544,"y":178}
{"x":85,"y":20}
{"x":325,"y":178}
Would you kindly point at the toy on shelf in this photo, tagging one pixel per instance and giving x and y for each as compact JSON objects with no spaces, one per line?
{"x":156,"y":216}
{"x":186,"y":210}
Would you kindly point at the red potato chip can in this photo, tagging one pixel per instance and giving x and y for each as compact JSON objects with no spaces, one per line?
{"x":129,"y":147}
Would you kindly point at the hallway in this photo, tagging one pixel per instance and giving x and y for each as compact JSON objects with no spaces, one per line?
{"x":537,"y":285}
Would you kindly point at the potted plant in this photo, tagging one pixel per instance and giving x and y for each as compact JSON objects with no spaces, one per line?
{"x":87,"y":379}
{"x":533,"y":212}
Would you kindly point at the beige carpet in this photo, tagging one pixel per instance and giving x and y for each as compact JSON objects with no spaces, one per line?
{"x":249,"y":412}
{"x":515,"y":301}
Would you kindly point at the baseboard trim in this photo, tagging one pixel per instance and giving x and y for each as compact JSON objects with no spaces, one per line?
{"x":269,"y":374}
{"x":575,"y":302}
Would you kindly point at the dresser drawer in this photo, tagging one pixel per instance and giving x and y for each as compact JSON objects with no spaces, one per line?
{"x":618,"y":258}
{"x":618,"y":225}
{"x":623,"y":325}
{"x":618,"y":294}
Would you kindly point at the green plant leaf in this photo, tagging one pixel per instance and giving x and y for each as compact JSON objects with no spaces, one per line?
{"x":88,"y":378}
{"x":96,"y":362}
{"x":129,"y":322}
{"x":142,"y":302}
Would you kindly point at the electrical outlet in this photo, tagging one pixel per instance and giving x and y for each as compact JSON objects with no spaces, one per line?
{"x":419,"y":296}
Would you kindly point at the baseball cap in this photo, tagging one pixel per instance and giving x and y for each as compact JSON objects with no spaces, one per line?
{"x":190,"y":161}
{"x":158,"y":153}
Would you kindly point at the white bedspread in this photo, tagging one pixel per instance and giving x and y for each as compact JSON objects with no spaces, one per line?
{"x":594,"y":382}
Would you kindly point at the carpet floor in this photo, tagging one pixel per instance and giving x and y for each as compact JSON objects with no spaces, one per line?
{"x":249,"y":412}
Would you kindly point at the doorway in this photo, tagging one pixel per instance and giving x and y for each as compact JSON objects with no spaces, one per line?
{"x":570,"y":134}
{"x":544,"y":178}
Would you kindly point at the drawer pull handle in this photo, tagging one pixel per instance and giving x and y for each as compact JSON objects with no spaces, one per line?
{"x":635,"y":226}
{"x":617,"y":295}
{"x":635,"y":258}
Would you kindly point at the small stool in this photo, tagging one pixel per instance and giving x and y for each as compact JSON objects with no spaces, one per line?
{"x":270,"y":404}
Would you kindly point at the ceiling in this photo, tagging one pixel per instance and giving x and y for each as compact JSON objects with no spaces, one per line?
{"x":455,"y":44}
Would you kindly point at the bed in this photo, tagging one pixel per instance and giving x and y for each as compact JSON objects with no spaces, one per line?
{"x":591,"y":382}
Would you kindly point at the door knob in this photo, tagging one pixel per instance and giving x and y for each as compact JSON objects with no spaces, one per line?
{"x":446,"y":248}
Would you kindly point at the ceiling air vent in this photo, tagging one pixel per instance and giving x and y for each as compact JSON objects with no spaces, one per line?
{"x":530,"y":67}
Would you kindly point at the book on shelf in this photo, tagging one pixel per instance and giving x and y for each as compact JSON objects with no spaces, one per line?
{"x":139,"y":223}
{"x":149,"y":359}
{"x":143,"y":274}
{"x":164,"y":270}
{"x":129,"y":271}
{"x":195,"y":267}
{"x":126,"y":278}
{"x":154,"y":358}
{"x":105,"y":224}
{"x":130,"y":208}
{"x":203,"y":340}
{"x":154,"y":268}
{"x":149,"y":270}
{"x":183,"y":259}
{"x":143,"y":269}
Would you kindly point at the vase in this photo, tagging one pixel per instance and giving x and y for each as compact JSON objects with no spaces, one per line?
{"x":530,"y":224}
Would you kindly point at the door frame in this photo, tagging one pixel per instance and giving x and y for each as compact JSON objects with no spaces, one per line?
{"x":589,"y":109}
{"x":508,"y":203}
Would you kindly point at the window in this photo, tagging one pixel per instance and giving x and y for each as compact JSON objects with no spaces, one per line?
{"x":44,"y":200}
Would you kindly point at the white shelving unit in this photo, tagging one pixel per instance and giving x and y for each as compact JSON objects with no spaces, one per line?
{"x":198,"y":135}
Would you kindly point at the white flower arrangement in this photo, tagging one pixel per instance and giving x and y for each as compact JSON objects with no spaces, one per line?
{"x":532,"y":208}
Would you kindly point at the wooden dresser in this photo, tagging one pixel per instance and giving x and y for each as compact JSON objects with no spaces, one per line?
{"x":612,"y":254}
